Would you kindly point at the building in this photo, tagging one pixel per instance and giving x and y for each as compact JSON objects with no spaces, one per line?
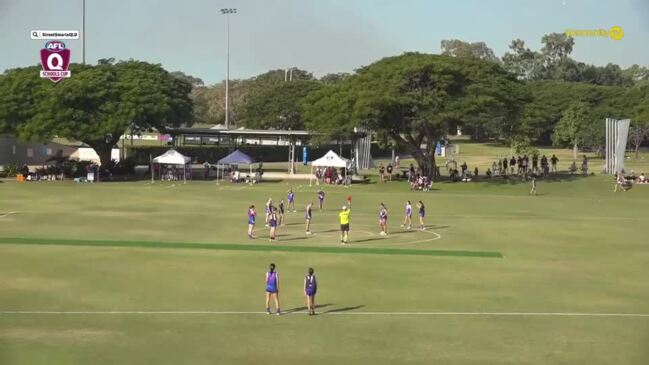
{"x":38,"y":154}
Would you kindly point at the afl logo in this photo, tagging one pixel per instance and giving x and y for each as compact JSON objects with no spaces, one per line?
{"x":55,"y":60}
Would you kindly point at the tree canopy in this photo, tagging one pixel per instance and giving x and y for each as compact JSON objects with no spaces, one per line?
{"x":413,"y":100}
{"x":96,"y":106}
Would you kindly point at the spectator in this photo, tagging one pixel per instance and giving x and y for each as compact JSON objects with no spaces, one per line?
{"x":535,"y":163}
{"x":512,"y":164}
{"x":389,"y":169}
{"x":584,"y":165}
{"x":554,"y":161}
{"x":397,"y":162}
{"x":573,"y":167}
{"x":464,"y":167}
{"x":475,"y":172}
{"x":488,"y":173}
{"x":544,"y":165}
{"x":381,"y":173}
{"x":642,"y":179}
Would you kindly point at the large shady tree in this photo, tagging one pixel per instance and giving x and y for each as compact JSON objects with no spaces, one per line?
{"x":414,"y":100}
{"x":96,"y":105}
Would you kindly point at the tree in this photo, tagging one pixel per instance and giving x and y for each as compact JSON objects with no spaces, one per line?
{"x":194,"y":81}
{"x":523,"y":62}
{"x":98,"y":104}
{"x":638,"y":132}
{"x":570,"y":129}
{"x":277,"y":106}
{"x":458,"y":48}
{"x":413,"y":100}
{"x":334,"y":78}
{"x":638,"y":99}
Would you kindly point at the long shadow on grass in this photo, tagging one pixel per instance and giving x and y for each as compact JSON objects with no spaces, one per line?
{"x":299,"y":309}
{"x":344,"y":309}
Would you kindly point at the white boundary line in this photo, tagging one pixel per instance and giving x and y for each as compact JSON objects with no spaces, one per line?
{"x":482,"y":314}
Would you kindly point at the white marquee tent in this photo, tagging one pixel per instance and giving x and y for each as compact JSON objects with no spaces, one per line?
{"x":175,"y":158}
{"x":330,"y":159}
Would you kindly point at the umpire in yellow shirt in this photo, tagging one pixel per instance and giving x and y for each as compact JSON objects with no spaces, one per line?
{"x":344,"y":223}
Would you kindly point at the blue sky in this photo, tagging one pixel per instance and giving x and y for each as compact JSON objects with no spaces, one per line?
{"x":318,"y":35}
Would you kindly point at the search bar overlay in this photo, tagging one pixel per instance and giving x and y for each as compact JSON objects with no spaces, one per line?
{"x":54,"y":34}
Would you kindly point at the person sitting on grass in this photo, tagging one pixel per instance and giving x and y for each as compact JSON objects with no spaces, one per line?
{"x":642,"y":179}
{"x":573,"y":167}
{"x":475,"y":172}
{"x":584,"y":165}
{"x":488,"y":173}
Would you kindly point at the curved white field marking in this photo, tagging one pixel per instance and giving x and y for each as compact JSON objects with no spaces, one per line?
{"x":437,"y":235}
{"x":3,"y":215}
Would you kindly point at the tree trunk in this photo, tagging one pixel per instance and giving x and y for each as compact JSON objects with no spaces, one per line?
{"x":574,"y":152}
{"x":103,"y":150}
{"x":637,"y":151}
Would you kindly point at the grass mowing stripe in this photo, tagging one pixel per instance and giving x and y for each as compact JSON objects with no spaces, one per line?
{"x":248,"y":247}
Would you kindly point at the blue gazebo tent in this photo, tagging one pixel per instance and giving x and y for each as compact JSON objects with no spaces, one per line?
{"x":235,"y":158}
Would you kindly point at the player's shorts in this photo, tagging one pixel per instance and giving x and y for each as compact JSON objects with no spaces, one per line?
{"x":422,"y":214}
{"x":383,"y":220}
{"x":310,"y":292}
{"x":344,"y":227}
{"x":271,"y":289}
{"x":251,"y":221}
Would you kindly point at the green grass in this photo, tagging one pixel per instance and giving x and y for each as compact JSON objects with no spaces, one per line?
{"x":577,"y":247}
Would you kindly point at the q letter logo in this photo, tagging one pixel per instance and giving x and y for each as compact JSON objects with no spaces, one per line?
{"x":55,"y":60}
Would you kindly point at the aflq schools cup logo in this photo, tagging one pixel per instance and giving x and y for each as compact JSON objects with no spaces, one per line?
{"x":55,"y":60}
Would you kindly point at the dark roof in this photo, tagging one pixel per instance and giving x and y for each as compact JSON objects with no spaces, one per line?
{"x":236,"y":132}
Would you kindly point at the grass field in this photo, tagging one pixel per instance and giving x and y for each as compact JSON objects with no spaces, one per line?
{"x":135,"y":273}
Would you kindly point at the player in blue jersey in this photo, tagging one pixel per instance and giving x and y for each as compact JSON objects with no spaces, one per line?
{"x":383,"y":220}
{"x":407,"y":221}
{"x":310,"y":288}
{"x":252,"y":216}
{"x":321,"y":197}
{"x":272,"y":289}
{"x":291,"y":200}
{"x":422,"y":214}
{"x":308,"y":214}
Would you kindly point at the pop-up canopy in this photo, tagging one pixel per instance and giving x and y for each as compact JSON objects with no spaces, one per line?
{"x":330,"y":159}
{"x":172,"y":157}
{"x":235,"y":158}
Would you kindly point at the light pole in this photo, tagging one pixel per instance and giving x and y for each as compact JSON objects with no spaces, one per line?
{"x":227,"y":12}
{"x":83,"y":34}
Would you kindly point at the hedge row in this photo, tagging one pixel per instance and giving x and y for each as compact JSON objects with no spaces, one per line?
{"x":199,"y":154}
